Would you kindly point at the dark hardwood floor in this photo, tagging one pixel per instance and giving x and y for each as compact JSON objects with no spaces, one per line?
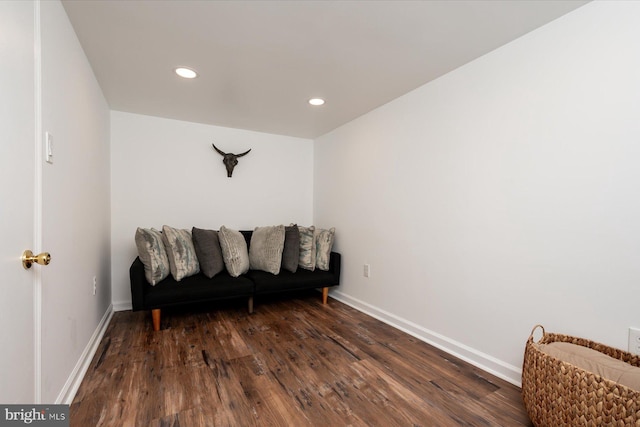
{"x":294,"y":362}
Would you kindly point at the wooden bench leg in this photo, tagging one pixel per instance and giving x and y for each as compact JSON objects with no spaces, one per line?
{"x":155,"y":315}
{"x":325,"y":295}
{"x":250,"y":305}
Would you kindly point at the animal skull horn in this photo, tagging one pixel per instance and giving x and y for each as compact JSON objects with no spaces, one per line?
{"x":230,"y":160}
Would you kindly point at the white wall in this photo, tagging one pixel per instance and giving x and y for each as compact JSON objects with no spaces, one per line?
{"x":502,"y":195}
{"x":166,"y":172}
{"x":76,"y":211}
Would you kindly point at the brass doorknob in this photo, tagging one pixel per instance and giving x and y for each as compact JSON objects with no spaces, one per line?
{"x":28,"y":259}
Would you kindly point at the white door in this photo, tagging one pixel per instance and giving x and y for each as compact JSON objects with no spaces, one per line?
{"x":17,"y":205}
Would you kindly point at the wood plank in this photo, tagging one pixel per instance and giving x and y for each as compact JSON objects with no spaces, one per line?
{"x":294,"y":361}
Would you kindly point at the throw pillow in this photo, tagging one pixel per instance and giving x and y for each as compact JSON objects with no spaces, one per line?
{"x":152,"y":254}
{"x":307,"y":259}
{"x":208,"y":251}
{"x":291,"y":251}
{"x":234,"y":251}
{"x":324,"y":243}
{"x":181,"y":253}
{"x":265,"y":250}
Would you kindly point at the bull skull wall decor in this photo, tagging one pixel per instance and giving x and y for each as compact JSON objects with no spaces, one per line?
{"x":230,"y":160}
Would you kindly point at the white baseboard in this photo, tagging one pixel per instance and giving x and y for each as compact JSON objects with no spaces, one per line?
{"x":122,"y":305}
{"x":70,"y":388}
{"x":490,"y":364}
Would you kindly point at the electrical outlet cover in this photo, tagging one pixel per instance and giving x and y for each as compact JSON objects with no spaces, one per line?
{"x":634,"y":340}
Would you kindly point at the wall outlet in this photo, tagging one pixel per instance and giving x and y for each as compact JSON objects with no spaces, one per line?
{"x":95,"y":284}
{"x":367,"y":270}
{"x":634,"y":340}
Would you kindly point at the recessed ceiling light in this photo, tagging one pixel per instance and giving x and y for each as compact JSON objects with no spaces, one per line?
{"x":316,"y":101}
{"x":186,"y":73}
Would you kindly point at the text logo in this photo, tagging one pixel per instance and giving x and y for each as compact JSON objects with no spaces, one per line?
{"x":34,"y":415}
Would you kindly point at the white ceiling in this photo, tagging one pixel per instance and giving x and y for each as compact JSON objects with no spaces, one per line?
{"x":260,"y":61}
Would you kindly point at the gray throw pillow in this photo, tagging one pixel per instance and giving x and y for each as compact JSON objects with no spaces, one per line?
{"x":307,"y":259}
{"x":181,"y":253}
{"x":208,"y":251}
{"x":291,"y":251}
{"x":234,"y":251}
{"x":265,"y":250}
{"x":324,"y":243}
{"x":152,"y":254}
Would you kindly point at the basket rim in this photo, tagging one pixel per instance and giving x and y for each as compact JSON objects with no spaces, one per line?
{"x":548,"y":338}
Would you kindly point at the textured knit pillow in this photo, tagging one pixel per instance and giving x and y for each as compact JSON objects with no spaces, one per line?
{"x":208,"y":251}
{"x":307,"y":259}
{"x":152,"y":254}
{"x":234,"y":251}
{"x":291,"y":251}
{"x":265,"y":250}
{"x":324,"y":243}
{"x":181,"y":253}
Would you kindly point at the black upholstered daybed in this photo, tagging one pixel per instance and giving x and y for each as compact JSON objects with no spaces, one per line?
{"x":201,"y":289}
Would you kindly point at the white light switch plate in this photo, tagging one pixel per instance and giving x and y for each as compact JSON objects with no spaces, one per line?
{"x":48,"y":147}
{"x":634,"y":340}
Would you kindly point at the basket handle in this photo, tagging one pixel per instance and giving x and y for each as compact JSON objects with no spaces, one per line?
{"x":534,"y":329}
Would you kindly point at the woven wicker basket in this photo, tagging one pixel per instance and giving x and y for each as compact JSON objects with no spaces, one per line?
{"x":557,"y":393}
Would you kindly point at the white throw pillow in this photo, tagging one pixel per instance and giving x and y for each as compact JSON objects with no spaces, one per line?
{"x":152,"y":254}
{"x":181,"y":253}
{"x":324,"y":244}
{"x":307,"y":248}
{"x":265,"y":250}
{"x":234,"y":251}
